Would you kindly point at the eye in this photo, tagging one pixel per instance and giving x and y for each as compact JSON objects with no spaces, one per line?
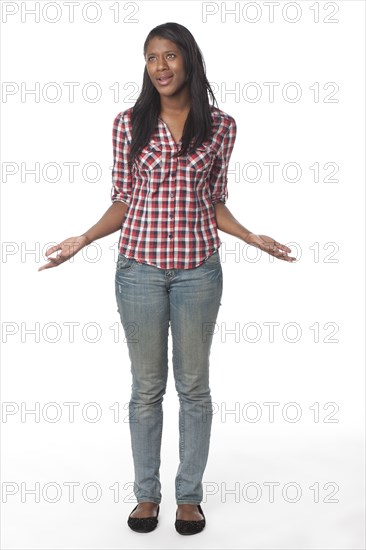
{"x":153,"y":57}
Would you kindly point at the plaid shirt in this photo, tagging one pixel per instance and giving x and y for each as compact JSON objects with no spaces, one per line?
{"x":170,"y":222}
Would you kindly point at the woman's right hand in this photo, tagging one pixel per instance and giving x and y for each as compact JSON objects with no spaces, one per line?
{"x":67,"y":248}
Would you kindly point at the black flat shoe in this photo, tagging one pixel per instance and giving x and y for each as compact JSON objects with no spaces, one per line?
{"x":190,"y":527}
{"x":143,"y":525}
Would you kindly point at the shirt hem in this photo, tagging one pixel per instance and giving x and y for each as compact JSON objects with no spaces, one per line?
{"x":144,"y":262}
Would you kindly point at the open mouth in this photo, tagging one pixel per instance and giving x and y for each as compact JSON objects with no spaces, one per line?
{"x":163,"y":80}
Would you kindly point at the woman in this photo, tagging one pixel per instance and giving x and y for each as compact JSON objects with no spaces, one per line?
{"x":171,"y":156}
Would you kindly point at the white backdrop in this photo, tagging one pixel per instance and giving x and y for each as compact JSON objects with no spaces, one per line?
{"x":286,"y":464}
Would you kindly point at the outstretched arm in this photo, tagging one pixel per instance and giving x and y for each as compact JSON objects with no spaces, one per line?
{"x":228,"y":224}
{"x":110,"y":222}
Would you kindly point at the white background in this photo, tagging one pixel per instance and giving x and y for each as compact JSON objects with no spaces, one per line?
{"x":322,"y":453}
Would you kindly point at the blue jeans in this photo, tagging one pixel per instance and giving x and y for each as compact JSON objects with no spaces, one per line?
{"x":148,"y":298}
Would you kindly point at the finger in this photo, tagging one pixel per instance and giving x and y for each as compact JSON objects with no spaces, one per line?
{"x":278,"y":245}
{"x":282,"y":251}
{"x":283,"y":247}
{"x":57,"y":259}
{"x":53,"y":249}
{"x":286,"y":258}
{"x":53,"y":262}
{"x":46,"y":266}
{"x":274,"y":250}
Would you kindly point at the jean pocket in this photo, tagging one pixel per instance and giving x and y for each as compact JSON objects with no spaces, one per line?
{"x":213,"y":259}
{"x":124,"y":263}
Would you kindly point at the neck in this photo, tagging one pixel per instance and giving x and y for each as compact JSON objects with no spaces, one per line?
{"x":175,"y":105}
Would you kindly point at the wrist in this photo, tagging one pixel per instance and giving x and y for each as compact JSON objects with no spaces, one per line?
{"x":247,"y":236}
{"x":87,"y":239}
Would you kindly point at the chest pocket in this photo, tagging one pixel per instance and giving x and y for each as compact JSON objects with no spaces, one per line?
{"x":199,"y":162}
{"x":151,"y":166}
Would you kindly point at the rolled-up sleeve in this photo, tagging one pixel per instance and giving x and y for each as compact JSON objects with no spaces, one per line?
{"x":121,"y":174}
{"x":218,"y":174}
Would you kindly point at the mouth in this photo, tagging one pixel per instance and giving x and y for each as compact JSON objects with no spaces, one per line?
{"x":164,"y":80}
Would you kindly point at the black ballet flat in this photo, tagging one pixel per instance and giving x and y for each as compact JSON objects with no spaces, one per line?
{"x":143,"y":525}
{"x":190,"y":527}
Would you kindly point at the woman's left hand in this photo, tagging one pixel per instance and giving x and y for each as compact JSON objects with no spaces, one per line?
{"x":269,"y":245}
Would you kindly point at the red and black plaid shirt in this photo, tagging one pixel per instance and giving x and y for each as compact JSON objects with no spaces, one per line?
{"x":170,"y":222}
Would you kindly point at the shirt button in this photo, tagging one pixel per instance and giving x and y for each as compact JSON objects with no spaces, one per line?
{"x":172,"y":194}
{"x":170,"y":236}
{"x":170,"y":215}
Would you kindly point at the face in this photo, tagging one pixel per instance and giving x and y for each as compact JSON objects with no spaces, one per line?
{"x":165,"y":66}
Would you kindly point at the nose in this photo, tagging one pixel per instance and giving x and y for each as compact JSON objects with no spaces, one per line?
{"x":161,"y":64}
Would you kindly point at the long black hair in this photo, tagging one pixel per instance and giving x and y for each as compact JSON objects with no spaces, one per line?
{"x":146,"y":110}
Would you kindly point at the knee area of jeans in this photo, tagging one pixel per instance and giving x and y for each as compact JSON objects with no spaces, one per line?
{"x":153,"y":398}
{"x":200,"y":398}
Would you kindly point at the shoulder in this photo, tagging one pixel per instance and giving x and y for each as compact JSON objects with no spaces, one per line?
{"x":223,"y":122}
{"x":223,"y":129}
{"x":122,"y":123}
{"x":124,"y":117}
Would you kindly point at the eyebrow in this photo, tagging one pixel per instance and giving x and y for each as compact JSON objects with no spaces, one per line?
{"x":166,"y":51}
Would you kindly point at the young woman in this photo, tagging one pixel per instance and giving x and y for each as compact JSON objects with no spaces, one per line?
{"x":171,"y":156}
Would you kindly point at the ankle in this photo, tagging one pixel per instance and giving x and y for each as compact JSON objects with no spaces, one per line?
{"x":148,"y":505}
{"x":187,"y":506}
